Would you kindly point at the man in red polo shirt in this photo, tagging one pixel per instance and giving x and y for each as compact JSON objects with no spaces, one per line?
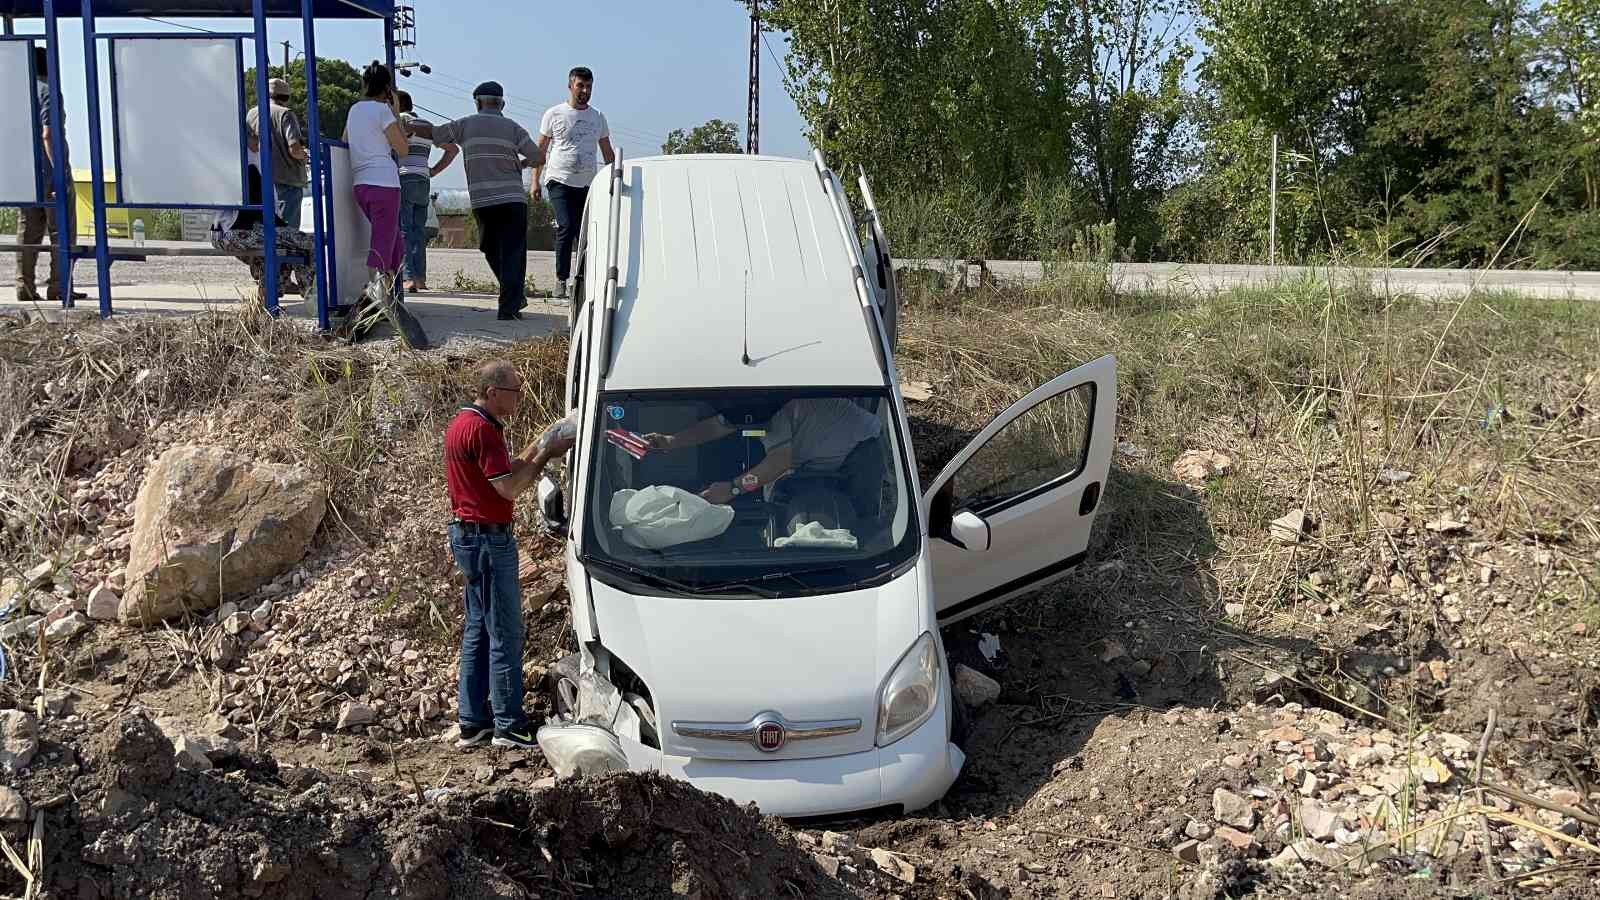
{"x":484,"y":479}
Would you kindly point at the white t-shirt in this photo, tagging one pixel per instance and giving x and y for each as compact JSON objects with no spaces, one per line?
{"x":574,"y":134}
{"x":371,"y":157}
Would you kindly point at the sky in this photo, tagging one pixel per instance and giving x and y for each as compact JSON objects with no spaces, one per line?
{"x":659,"y":64}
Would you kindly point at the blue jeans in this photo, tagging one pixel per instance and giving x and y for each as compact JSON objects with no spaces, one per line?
{"x":491,"y":641}
{"x":568,"y":204}
{"x":288,"y":197}
{"x":414,"y":190}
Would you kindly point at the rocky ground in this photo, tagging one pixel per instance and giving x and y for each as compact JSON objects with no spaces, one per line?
{"x":1265,"y":682}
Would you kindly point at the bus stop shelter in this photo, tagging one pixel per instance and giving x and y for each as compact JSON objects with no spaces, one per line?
{"x":150,"y":73}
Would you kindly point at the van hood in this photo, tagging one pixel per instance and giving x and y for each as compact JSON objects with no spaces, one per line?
{"x":725,"y":660}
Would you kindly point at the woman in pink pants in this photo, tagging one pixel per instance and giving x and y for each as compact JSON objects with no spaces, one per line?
{"x":376,"y":143}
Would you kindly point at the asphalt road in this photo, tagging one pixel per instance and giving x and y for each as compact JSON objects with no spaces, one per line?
{"x":444,"y":266}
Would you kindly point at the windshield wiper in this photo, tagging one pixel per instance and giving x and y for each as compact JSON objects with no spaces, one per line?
{"x":643,"y":575}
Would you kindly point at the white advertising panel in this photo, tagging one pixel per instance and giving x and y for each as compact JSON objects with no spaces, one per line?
{"x":19,"y":126}
{"x":352,"y":233}
{"x":179,"y":110}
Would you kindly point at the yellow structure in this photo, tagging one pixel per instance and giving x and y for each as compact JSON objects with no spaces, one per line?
{"x":119,"y":222}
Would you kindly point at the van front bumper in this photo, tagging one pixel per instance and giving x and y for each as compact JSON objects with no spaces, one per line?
{"x":911,"y":773}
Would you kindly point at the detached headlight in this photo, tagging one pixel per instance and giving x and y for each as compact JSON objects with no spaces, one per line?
{"x":581,"y":750}
{"x":910,"y":693}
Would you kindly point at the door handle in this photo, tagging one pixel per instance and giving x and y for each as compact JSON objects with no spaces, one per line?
{"x":1091,"y":499}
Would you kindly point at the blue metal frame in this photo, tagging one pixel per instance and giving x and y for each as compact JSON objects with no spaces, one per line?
{"x":321,"y":174}
{"x":97,"y":174}
{"x":329,"y":247}
{"x":321,"y":223}
{"x":269,"y":203}
{"x":58,"y":146}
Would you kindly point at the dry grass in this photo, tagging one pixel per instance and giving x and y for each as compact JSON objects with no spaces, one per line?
{"x":1323,"y":394}
{"x":369,"y":420}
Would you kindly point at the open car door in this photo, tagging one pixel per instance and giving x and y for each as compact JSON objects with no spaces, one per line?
{"x":881,"y":264}
{"x":1013,"y":510}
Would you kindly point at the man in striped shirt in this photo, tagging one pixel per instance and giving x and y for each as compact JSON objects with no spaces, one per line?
{"x":496,"y":150}
{"x":416,"y":191}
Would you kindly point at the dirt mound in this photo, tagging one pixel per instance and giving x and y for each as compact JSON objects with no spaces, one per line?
{"x":143,"y":827}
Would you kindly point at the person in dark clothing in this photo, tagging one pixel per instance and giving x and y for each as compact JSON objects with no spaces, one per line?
{"x":496,"y":150}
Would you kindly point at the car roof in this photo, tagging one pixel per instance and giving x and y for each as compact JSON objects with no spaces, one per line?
{"x":701,"y":232}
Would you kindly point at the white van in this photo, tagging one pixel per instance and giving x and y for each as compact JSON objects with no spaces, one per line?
{"x":777,"y":639}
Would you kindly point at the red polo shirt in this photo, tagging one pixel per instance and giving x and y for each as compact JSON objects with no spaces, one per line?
{"x":474,"y":455}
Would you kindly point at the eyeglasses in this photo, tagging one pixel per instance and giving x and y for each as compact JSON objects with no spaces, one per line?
{"x":513,"y":390}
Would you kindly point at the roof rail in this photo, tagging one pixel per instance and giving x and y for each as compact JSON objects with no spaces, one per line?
{"x":864,"y":294}
{"x":613,"y":238}
{"x":823,"y":174}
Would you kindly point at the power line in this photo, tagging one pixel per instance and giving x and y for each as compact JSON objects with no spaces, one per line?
{"x":527,"y":107}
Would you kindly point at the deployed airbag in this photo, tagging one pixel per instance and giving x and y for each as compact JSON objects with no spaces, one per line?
{"x":664,"y":516}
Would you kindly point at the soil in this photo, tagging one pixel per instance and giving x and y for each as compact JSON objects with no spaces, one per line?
{"x":1130,"y":694}
{"x":138,"y":827}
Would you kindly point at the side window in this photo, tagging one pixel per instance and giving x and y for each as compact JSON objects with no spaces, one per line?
{"x":1046,"y":444}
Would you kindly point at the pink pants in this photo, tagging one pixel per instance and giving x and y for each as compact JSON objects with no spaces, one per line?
{"x":381,"y":205}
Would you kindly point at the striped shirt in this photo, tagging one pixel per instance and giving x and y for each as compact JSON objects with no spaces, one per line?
{"x":490,"y":143}
{"x":417,"y":150}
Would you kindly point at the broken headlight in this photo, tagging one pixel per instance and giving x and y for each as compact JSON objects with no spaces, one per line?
{"x":910,"y":693}
{"x":581,"y":750}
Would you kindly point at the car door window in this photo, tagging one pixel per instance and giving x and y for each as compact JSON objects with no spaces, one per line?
{"x":1046,"y":445}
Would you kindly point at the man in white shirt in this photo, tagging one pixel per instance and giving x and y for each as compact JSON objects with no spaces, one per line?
{"x":568,"y":136}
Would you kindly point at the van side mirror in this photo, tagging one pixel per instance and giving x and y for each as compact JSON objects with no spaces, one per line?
{"x":969,"y":531}
{"x":553,"y":506}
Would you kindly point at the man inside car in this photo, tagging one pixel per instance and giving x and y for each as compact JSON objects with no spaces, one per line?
{"x":813,"y":434}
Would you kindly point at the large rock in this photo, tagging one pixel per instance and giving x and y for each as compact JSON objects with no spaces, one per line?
{"x":210,"y":525}
{"x":19,"y":739}
{"x":975,"y":689}
{"x":13,"y":808}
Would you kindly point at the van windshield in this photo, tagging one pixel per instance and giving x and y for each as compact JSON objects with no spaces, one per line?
{"x":769,"y":492}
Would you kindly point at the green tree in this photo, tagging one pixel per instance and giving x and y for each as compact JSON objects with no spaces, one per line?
{"x":715,"y":136}
{"x":973,"y":100}
{"x":338,"y":89}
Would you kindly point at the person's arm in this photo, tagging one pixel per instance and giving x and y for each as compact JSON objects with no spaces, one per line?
{"x":701,"y":432}
{"x":426,"y":130}
{"x":528,"y":465}
{"x":544,"y":148}
{"x":295,"y":138}
{"x":397,"y":139}
{"x":606,"y":153}
{"x":538,"y":171}
{"x":451,"y":151}
{"x":771,"y":468}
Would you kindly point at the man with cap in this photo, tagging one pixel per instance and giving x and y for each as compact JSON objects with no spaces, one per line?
{"x":496,"y":150}
{"x":288,"y":151}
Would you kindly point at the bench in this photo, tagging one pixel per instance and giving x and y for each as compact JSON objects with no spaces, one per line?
{"x":142,"y":254}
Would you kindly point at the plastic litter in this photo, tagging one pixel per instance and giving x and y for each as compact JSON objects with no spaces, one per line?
{"x":566,"y":427}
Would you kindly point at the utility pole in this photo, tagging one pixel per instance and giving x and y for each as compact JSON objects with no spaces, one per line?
{"x":285,"y":59}
{"x":1272,"y":226}
{"x":753,"y":113}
